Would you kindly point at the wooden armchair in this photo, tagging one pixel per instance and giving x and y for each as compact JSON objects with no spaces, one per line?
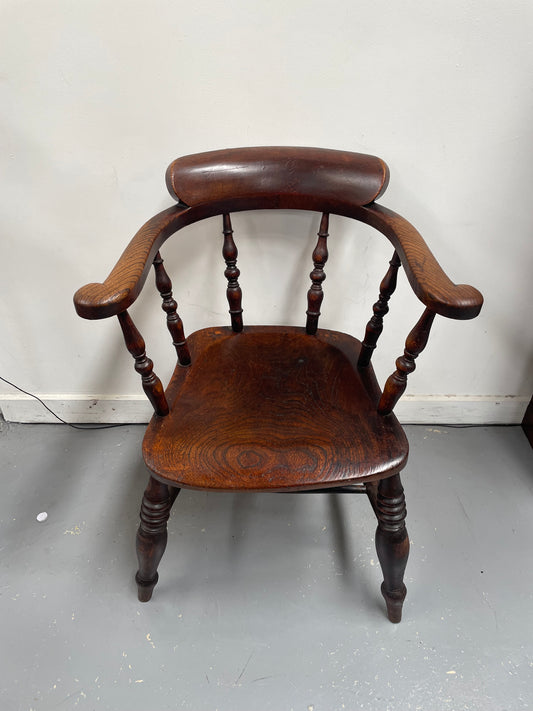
{"x":276,"y":408}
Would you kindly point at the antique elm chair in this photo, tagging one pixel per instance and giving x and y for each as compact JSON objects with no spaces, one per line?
{"x":276,"y":408}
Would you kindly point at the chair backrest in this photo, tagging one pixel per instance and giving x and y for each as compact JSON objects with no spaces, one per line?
{"x":278,"y":177}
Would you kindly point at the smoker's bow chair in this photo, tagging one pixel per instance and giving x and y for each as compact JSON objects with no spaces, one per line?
{"x":276,"y":408}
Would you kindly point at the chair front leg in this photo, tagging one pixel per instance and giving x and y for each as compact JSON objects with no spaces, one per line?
{"x":392,"y":543}
{"x":152,"y":535}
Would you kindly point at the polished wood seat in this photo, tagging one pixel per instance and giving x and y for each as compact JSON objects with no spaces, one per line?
{"x":276,"y":408}
{"x":272,"y":408}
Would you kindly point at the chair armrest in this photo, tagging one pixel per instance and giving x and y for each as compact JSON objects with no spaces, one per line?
{"x":426,"y":276}
{"x":124,"y":283}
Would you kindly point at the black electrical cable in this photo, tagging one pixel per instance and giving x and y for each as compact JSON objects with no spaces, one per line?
{"x":69,"y":424}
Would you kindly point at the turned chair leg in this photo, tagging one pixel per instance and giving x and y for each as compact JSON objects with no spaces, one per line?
{"x":152,"y":534}
{"x":392,"y":543}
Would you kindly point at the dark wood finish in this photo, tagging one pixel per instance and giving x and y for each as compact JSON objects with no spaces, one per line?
{"x":233,"y":292}
{"x":152,"y":535}
{"x":374,"y":327}
{"x":280,"y":171}
{"x":405,"y":364}
{"x":143,"y":365}
{"x":273,"y":409}
{"x":323,"y":190}
{"x":392,"y":543}
{"x":348,"y":489}
{"x":169,"y":306}
{"x":317,"y":276}
{"x":277,"y":408}
{"x":429,"y":282}
{"x":371,"y":489}
{"x":123,"y":285}
{"x":527,"y":422}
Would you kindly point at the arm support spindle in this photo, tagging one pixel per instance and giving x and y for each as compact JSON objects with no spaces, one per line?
{"x":143,"y":365}
{"x":405,"y":364}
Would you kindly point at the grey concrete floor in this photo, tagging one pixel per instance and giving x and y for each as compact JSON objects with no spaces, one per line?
{"x":264,"y":601}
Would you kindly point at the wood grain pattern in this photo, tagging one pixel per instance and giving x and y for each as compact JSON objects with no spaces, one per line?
{"x":124,"y":283}
{"x":276,"y":408}
{"x":277,"y":170}
{"x":273,"y":408}
{"x":425,"y":275}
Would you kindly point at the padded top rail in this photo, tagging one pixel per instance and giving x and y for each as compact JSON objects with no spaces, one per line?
{"x":285,"y":174}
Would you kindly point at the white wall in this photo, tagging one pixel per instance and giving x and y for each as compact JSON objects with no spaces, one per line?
{"x":99,"y":97}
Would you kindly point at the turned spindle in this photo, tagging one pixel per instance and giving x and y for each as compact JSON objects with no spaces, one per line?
{"x":233,"y":292}
{"x":392,"y":543}
{"x":143,"y":365}
{"x":405,"y":364}
{"x":169,"y":306}
{"x":152,"y":534}
{"x":317,"y":276}
{"x":380,"y":308}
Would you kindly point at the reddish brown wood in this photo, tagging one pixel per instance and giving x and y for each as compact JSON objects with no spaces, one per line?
{"x":428,"y":280}
{"x":233,"y":292}
{"x":273,"y":409}
{"x":282,"y":171}
{"x":143,"y":365}
{"x":169,"y":306}
{"x":380,"y":308}
{"x":316,"y":179}
{"x":152,"y":535}
{"x":392,"y":543}
{"x":124,"y":283}
{"x":405,"y":364}
{"x":317,"y":276}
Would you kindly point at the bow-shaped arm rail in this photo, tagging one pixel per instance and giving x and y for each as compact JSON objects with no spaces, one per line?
{"x":124,"y":283}
{"x":427,"y":278}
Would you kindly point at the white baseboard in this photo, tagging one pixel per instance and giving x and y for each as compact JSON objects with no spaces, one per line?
{"x":461,"y":409}
{"x":80,"y":409}
{"x":412,"y":409}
